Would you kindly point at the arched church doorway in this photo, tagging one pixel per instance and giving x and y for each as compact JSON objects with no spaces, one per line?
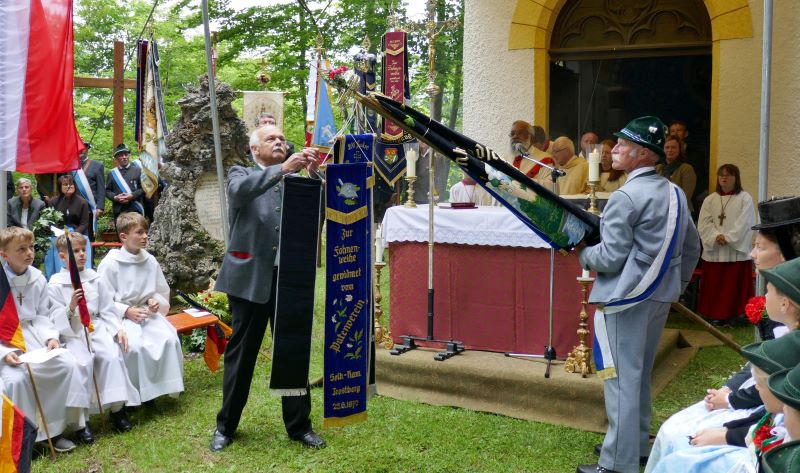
{"x":612,"y":61}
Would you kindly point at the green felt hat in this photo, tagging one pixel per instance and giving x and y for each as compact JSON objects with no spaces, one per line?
{"x":121,"y":148}
{"x":646,"y":131}
{"x":775,"y":355}
{"x":783,"y":458}
{"x":786,"y":278}
{"x":786,"y":386}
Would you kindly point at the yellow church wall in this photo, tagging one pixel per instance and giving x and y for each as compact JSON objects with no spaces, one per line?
{"x":526,"y":25}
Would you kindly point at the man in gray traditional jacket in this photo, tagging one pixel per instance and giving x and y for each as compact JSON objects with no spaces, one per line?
{"x":248,"y":275}
{"x":649,"y":248}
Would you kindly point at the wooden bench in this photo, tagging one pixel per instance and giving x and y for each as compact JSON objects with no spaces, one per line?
{"x":106,"y":244}
{"x":185,"y":323}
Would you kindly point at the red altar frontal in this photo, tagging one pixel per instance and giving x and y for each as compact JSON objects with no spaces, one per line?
{"x":491,"y":281}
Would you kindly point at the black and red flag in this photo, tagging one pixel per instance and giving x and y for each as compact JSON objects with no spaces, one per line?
{"x":75,"y":278}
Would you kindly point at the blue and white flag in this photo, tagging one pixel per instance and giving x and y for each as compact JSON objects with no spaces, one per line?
{"x":324,"y":126}
{"x":603,"y":360}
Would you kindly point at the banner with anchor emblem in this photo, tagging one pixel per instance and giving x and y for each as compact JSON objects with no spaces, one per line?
{"x":348,"y":299}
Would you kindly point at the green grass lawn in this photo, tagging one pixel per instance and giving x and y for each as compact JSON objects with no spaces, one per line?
{"x":399,"y":436}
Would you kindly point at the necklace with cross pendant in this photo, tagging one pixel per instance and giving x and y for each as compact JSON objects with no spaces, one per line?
{"x":721,"y":218}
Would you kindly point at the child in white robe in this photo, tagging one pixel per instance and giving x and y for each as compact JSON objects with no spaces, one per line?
{"x":107,"y":341}
{"x":141,"y":296}
{"x":62,"y":396}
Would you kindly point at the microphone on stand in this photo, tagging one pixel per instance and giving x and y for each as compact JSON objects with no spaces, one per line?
{"x":520,"y":149}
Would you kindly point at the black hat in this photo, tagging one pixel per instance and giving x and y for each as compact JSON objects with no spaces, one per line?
{"x":121,"y":148}
{"x":87,"y":144}
{"x":646,"y":131}
{"x":778,"y":212}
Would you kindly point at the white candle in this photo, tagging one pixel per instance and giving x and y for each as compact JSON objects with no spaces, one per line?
{"x":585,"y":274}
{"x":594,"y":166}
{"x":411,"y":163}
{"x":378,"y":247}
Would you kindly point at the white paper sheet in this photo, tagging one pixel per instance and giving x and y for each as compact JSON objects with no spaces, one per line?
{"x":41,"y":355}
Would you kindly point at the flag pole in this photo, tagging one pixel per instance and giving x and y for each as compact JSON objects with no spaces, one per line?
{"x":41,"y":413}
{"x":3,"y":197}
{"x":212,"y":92}
{"x":94,"y":379}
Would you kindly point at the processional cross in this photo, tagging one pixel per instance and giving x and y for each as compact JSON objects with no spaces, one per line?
{"x":117,"y":84}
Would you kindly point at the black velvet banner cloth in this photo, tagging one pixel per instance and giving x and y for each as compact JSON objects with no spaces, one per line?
{"x":294,"y":305}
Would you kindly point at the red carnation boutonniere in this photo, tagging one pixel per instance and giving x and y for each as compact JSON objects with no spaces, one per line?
{"x":755,"y":310}
{"x":764,"y":439}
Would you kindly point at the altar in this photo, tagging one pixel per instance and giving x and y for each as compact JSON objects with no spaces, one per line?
{"x":491,"y":280}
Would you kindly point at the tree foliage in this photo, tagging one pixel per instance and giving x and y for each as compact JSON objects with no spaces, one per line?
{"x":282,"y":33}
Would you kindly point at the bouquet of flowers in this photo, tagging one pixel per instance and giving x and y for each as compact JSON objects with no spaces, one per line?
{"x":755,"y":310}
{"x":756,"y":313}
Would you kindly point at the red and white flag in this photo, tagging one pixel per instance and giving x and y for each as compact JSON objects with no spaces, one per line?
{"x":37,"y":123}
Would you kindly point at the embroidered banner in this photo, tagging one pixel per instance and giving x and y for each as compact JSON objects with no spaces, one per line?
{"x":395,"y":78}
{"x":390,"y":161}
{"x":348,"y":300}
{"x":254,"y":103}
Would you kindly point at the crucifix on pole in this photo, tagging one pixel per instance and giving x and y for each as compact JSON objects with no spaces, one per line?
{"x":118,"y":84}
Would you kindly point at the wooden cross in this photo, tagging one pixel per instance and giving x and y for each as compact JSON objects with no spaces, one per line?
{"x":118,"y":84}
{"x":20,"y":297}
{"x":721,"y":218}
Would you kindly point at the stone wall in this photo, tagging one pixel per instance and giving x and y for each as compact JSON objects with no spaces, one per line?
{"x":189,"y":253}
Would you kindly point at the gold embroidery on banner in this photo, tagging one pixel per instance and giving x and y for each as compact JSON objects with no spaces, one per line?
{"x":346,"y":218}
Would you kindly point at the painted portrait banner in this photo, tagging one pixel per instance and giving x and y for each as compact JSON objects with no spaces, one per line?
{"x":348,"y":300}
{"x":256,"y":103}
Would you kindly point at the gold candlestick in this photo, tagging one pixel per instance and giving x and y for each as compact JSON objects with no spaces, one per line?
{"x":382,"y":336}
{"x":593,"y":198}
{"x":579,"y":359}
{"x":410,"y":197}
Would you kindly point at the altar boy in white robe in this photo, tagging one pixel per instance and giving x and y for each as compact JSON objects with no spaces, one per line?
{"x":62,"y":396}
{"x":141,"y":296}
{"x":108,"y":340}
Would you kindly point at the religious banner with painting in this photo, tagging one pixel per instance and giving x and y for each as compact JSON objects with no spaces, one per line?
{"x":256,"y":103}
{"x":151,"y":126}
{"x":395,"y":78}
{"x":348,"y":299}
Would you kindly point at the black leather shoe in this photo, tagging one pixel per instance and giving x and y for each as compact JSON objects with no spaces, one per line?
{"x":593,"y":469}
{"x":311,"y":440}
{"x":599,"y":447}
{"x":120,"y":421}
{"x":219,"y":441}
{"x":85,"y":436}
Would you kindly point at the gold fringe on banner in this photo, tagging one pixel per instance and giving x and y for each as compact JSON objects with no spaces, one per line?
{"x":342,"y":421}
{"x":346,"y":218}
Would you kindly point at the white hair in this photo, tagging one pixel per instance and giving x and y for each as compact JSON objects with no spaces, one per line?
{"x":567,"y":142}
{"x":255,"y":137}
{"x":23,"y":180}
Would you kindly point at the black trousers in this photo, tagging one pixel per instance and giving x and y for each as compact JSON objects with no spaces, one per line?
{"x":249,"y":325}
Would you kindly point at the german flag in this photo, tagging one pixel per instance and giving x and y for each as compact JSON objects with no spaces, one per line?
{"x":10,"y":329}
{"x":17,"y":437}
{"x":215,"y":344}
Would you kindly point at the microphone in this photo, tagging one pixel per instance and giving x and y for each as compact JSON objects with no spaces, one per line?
{"x":520,"y":149}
